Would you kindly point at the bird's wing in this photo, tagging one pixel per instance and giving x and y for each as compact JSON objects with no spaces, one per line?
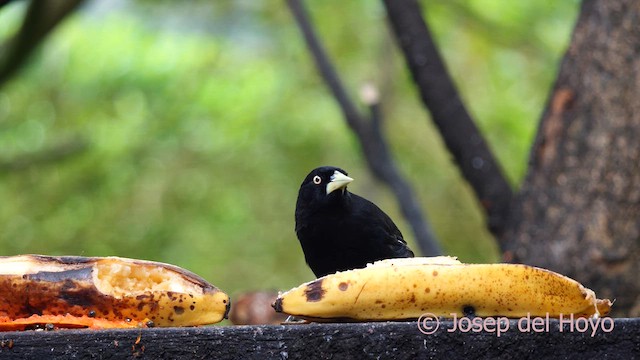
{"x":393,"y":238}
{"x":395,"y":241}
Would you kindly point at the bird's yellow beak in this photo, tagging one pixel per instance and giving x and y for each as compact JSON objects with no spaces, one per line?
{"x":338,"y":181}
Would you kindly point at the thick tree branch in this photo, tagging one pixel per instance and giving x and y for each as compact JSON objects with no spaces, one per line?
{"x":368,"y":133}
{"x":448,"y":112}
{"x":40,"y":19}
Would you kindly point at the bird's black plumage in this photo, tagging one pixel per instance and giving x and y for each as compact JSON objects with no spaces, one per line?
{"x":339,"y":230}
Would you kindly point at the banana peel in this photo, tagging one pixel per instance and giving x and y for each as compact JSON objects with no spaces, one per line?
{"x":104,"y":292}
{"x":396,"y":289}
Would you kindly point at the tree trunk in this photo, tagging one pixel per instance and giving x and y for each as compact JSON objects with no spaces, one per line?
{"x":578,"y":211}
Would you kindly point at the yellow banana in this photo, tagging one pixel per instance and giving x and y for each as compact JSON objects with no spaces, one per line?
{"x":36,"y":289}
{"x":397,"y":289}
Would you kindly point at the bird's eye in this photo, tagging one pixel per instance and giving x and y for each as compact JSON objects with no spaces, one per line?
{"x":317,"y":180}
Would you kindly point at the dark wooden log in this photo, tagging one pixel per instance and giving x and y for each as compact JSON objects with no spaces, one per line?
{"x":615,"y":339}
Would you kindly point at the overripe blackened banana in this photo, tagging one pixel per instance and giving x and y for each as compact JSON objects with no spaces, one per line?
{"x":110,"y":288}
{"x":397,"y":289}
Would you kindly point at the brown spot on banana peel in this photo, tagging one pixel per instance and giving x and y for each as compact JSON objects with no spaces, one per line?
{"x":468,"y":311}
{"x":178,"y":310}
{"x":314,"y":291}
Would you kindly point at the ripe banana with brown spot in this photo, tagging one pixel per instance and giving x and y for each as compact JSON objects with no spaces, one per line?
{"x":113,"y":290}
{"x":396,"y":289}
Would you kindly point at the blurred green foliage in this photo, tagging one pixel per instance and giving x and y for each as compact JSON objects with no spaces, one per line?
{"x":198,"y":122}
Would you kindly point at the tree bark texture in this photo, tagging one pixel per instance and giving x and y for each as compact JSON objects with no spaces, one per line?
{"x":578,"y":211}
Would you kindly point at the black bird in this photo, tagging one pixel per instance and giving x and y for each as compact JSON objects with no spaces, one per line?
{"x":339,"y":230}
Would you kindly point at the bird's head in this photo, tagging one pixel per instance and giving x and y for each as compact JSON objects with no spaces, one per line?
{"x":324,"y":185}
